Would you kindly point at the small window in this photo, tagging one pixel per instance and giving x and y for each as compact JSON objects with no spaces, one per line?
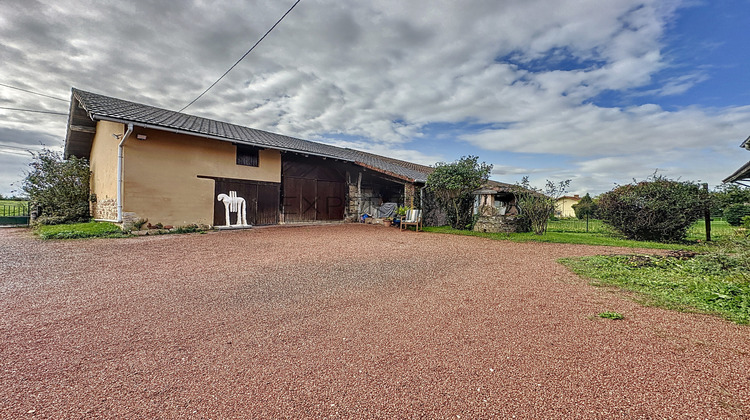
{"x":247,"y":155}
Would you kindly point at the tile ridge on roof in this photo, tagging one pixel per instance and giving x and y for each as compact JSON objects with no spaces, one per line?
{"x":410,"y":165}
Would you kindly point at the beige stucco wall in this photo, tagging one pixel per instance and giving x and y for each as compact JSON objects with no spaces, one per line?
{"x":161,"y":181}
{"x":103,"y":160}
{"x":564,"y":207}
{"x":161,"y":175}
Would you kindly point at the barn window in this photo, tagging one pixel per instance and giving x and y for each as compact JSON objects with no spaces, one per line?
{"x":247,"y":155}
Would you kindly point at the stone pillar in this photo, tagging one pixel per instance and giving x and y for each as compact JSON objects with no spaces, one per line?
{"x":409,"y":191}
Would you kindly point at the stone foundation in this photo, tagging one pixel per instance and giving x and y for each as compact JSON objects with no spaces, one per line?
{"x":104,"y":209}
{"x":496,"y":224}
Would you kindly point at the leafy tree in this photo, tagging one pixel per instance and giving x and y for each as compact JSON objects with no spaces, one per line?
{"x":453,"y":185}
{"x":58,"y":188}
{"x":735,"y":212}
{"x":585,"y":207}
{"x":657,"y":209}
{"x":538,"y":205}
{"x":727,"y":194}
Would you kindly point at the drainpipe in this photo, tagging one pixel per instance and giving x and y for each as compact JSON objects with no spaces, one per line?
{"x":120,"y":155}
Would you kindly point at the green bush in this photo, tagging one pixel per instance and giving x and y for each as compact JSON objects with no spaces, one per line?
{"x":537,"y":206}
{"x":58,"y":188}
{"x":586,"y":207}
{"x":735,"y":212}
{"x":658,"y":209}
{"x":453,"y":184}
{"x":726,"y":195}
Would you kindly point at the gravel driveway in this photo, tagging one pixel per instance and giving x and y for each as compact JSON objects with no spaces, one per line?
{"x":347,"y":321}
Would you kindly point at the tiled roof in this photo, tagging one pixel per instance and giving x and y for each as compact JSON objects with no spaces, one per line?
{"x":742,"y":174}
{"x":99,"y":107}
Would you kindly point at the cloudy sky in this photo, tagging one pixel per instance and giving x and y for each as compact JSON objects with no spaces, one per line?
{"x":599,"y":92}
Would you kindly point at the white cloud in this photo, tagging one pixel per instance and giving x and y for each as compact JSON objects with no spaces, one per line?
{"x":381,"y":71}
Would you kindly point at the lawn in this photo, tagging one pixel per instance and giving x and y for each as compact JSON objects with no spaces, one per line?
{"x":720,"y":229}
{"x":13,"y":208}
{"x":715,"y":282}
{"x":80,"y":230}
{"x":604,"y":239}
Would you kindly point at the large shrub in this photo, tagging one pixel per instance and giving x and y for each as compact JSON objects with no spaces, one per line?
{"x":58,"y":188}
{"x":735,"y":212}
{"x":657,"y":209}
{"x":453,"y":184}
{"x":538,"y":205}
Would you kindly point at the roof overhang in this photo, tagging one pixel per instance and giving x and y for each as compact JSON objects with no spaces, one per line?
{"x":740,"y":175}
{"x":81,"y":131}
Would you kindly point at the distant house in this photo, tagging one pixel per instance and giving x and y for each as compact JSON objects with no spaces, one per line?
{"x":168,"y":167}
{"x":741,"y":176}
{"x":564,"y":206}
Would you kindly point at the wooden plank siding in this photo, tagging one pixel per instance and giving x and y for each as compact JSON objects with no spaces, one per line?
{"x":261,"y":199}
{"x":313,"y":189}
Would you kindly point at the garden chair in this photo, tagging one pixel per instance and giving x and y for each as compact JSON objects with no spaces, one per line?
{"x":412,"y":218}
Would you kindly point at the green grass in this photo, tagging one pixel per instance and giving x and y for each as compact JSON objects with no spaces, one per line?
{"x":79,"y":230}
{"x":579,"y":226}
{"x":720,"y":229}
{"x":715,"y":282}
{"x":611,"y":315}
{"x":573,"y":231}
{"x":562,"y":238}
{"x":7,"y":207}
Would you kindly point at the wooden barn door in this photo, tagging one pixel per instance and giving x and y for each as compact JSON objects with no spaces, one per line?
{"x":314,"y":189}
{"x":261,"y":199}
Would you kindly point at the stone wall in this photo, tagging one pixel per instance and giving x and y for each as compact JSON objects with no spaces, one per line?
{"x":409,"y":193}
{"x":496,"y":224}
{"x":104,"y":209}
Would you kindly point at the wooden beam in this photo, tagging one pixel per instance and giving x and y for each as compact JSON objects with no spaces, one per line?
{"x":83,"y":129}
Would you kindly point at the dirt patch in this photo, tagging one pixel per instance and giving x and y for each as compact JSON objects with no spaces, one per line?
{"x":350,"y":321}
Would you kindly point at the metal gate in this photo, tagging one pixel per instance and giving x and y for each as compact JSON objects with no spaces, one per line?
{"x":14,"y":214}
{"x":261,"y":199}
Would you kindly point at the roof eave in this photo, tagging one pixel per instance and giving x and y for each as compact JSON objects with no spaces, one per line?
{"x":742,"y":174}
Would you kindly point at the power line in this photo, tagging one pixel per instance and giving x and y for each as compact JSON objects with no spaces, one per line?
{"x":33,"y":93}
{"x":34,"y":110}
{"x":3,"y":146}
{"x":241,"y":58}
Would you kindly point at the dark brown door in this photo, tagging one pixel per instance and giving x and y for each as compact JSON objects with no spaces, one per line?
{"x":330,"y":200}
{"x":299,"y":199}
{"x":261,"y":200}
{"x":313,"y":188}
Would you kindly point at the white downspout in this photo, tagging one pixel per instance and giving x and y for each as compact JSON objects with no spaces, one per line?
{"x":120,"y":156}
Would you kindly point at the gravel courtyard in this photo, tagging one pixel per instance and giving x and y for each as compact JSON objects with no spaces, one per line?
{"x":344,"y":321}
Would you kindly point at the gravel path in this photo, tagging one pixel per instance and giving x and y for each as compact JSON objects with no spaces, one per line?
{"x":348,"y":321}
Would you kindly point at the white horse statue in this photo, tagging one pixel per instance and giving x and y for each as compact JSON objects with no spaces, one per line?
{"x":234,"y":204}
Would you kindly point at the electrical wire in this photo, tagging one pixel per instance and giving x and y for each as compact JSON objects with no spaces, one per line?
{"x":241,"y":58}
{"x":34,"y":110}
{"x":33,"y":93}
{"x":3,"y":146}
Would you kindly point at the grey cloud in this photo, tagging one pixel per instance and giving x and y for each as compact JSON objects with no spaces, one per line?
{"x":380,"y":70}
